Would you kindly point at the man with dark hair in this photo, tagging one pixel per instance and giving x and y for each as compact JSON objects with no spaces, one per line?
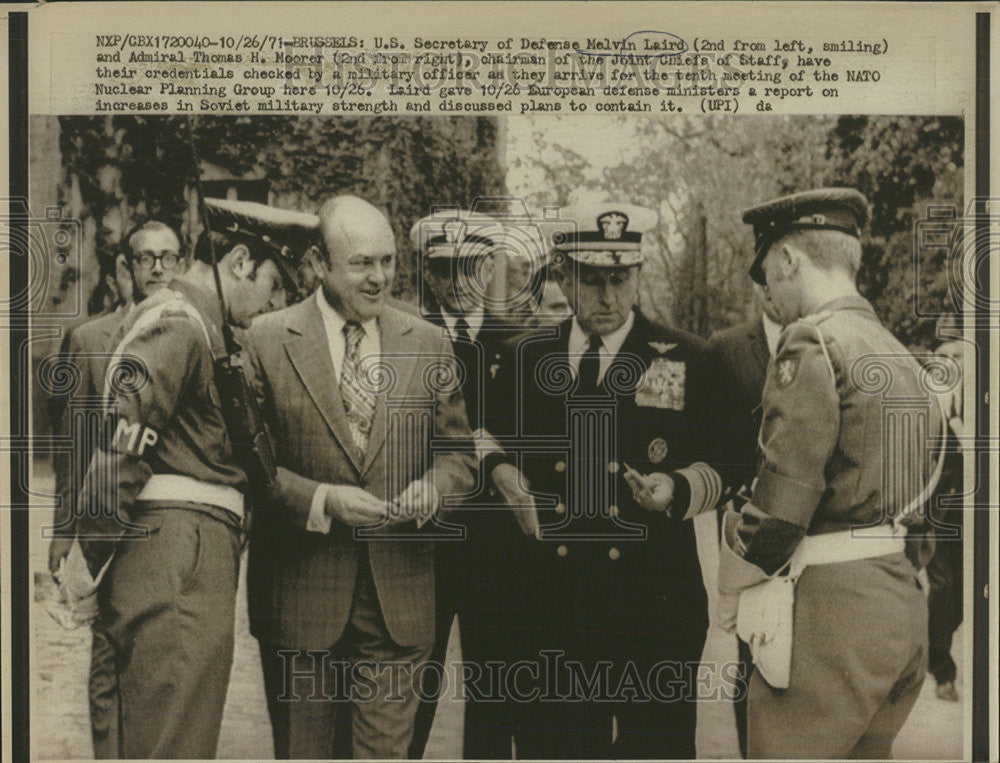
{"x":86,"y":348}
{"x":77,"y":416}
{"x":553,"y":307}
{"x":160,"y":514}
{"x":152,"y":256}
{"x":372,"y":439}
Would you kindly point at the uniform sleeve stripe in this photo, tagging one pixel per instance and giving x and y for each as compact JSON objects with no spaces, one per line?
{"x":706,"y":488}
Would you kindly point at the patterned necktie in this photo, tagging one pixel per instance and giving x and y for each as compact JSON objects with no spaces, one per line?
{"x":590,"y":365}
{"x":359,"y":401}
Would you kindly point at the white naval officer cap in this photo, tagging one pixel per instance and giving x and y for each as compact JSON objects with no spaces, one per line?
{"x":607,"y":235}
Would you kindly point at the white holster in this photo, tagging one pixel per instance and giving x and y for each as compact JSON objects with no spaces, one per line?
{"x":767,"y":610}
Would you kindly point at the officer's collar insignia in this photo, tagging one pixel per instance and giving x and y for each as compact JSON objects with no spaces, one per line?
{"x":662,"y":386}
{"x":786,"y":370}
{"x":612,"y":225}
{"x":657,"y":450}
{"x":663,"y":347}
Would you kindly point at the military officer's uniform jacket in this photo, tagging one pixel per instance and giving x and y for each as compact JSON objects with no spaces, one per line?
{"x":85,"y":353}
{"x":608,"y":578}
{"x":848,"y":441}
{"x":479,"y":358}
{"x":822,"y":451}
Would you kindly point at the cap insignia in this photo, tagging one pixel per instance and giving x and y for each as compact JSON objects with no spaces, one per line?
{"x":613,"y":225}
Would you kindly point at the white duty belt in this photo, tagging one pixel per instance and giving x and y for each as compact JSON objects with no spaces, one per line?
{"x":178,"y":487}
{"x":847,"y":546}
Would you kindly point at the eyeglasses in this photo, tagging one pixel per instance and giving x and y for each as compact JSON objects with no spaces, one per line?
{"x":169,"y":260}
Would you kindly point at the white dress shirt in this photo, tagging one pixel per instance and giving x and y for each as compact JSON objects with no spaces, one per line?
{"x":371,"y":344}
{"x":474,"y":319}
{"x":579,"y":342}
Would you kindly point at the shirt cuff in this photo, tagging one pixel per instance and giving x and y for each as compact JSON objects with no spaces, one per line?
{"x":490,"y":462}
{"x":318,"y":521}
{"x":485,"y":444}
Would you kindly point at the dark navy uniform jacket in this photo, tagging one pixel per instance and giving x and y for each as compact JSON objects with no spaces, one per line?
{"x":608,"y":577}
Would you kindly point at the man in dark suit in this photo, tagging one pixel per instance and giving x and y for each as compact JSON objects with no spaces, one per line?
{"x":372,"y":440}
{"x":471,"y":577}
{"x":740,"y":355}
{"x":945,"y":568}
{"x":614,"y":608}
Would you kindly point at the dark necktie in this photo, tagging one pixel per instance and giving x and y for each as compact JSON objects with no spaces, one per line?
{"x":590,"y":365}
{"x":359,"y":401}
{"x":462,"y":330}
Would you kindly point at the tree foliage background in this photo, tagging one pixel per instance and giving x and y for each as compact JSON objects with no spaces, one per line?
{"x":700,"y":173}
{"x":117,"y":170}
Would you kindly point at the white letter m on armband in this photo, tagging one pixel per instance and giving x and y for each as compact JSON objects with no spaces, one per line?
{"x":139,"y":437}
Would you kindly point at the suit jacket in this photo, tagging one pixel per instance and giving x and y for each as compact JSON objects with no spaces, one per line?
{"x":85,"y":351}
{"x":301,"y":583}
{"x":608,"y":577}
{"x":740,"y":357}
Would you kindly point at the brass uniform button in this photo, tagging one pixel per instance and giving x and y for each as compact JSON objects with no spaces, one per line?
{"x":613,"y":467}
{"x":562,"y":551}
{"x":560,"y":466}
{"x":614,"y":553}
{"x":560,"y":508}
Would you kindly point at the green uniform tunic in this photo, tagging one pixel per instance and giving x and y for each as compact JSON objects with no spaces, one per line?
{"x":849,"y":436}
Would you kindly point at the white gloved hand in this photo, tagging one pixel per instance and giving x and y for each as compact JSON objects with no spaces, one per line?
{"x":77,"y":590}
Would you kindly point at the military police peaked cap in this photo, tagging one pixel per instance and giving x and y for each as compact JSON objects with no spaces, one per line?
{"x":454,"y":233}
{"x":607,"y":235}
{"x":284,"y":234}
{"x":839,"y":209}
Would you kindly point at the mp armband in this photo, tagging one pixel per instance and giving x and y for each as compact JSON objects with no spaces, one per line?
{"x":120,"y":436}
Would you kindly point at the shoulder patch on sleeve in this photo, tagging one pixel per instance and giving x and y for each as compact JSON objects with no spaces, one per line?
{"x":798,"y":340}
{"x":785,"y":371}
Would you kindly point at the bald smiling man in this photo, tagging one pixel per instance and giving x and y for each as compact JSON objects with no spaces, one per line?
{"x":341,"y":572}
